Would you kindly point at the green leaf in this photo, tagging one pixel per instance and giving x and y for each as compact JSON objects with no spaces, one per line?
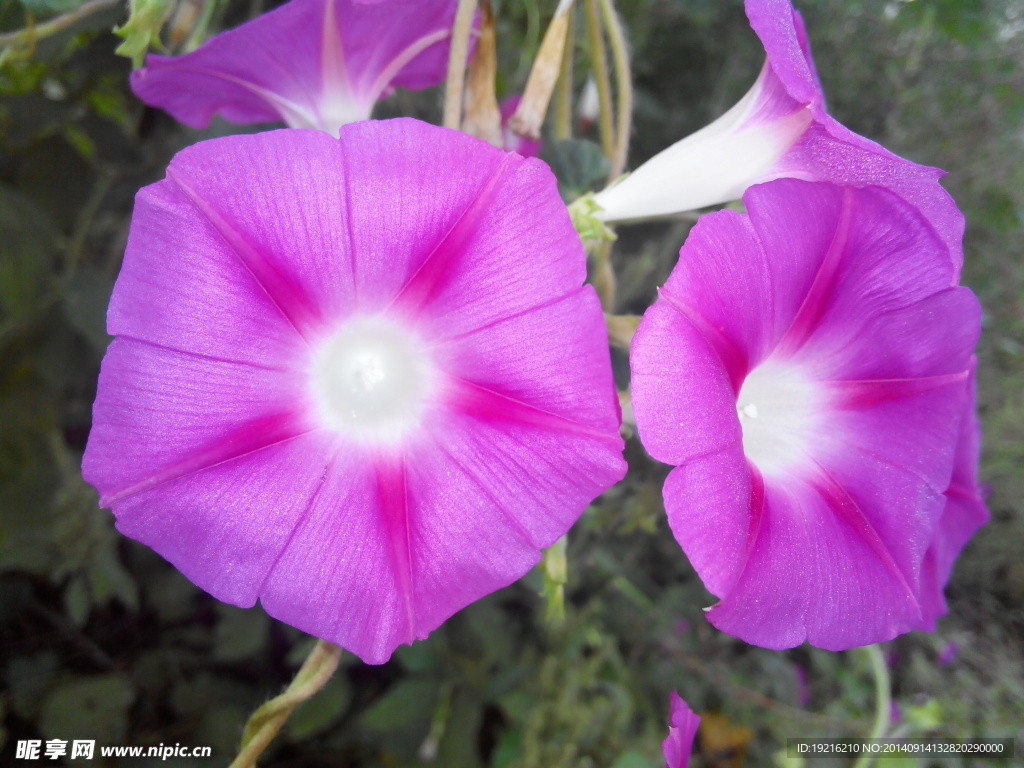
{"x":26,"y":252}
{"x":323,"y":710}
{"x":85,"y":305}
{"x":407,"y":704}
{"x":241,"y":633}
{"x":77,"y":601}
{"x":579,"y":165}
{"x":29,"y":677}
{"x":89,"y":708}
{"x":633,"y":759}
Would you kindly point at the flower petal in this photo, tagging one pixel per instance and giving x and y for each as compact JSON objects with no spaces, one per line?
{"x":340,"y":576}
{"x":520,"y":255}
{"x":554,"y":357}
{"x":182,"y":286}
{"x":838,"y":591}
{"x":680,"y":387}
{"x":405,"y":208}
{"x":210,"y":524}
{"x":682,"y":728}
{"x":181,"y":413}
{"x":714,"y":511}
{"x":293,"y":243}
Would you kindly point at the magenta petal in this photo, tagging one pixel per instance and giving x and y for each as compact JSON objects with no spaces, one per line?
{"x":839,"y":590}
{"x":501,"y":271}
{"x":682,"y":728}
{"x":564,"y":369}
{"x":526,"y":482}
{"x":398,"y":182}
{"x":920,"y":425}
{"x":311,"y":63}
{"x":680,"y":387}
{"x":178,"y":413}
{"x":730,"y":321}
{"x":828,"y":151}
{"x":210,"y":272}
{"x":714,"y":511}
{"x":341,"y":575}
{"x":209,"y":523}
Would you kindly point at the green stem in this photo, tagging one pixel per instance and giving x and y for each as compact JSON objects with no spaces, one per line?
{"x":623,"y":87}
{"x":604,"y":275}
{"x":883,"y":701}
{"x":36,"y":31}
{"x":461,"y":30}
{"x":563,"y":90}
{"x":268,"y":719}
{"x":599,"y":67}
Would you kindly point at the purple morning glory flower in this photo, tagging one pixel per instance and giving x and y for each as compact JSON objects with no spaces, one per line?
{"x":361,"y":391}
{"x":963,"y":514}
{"x":682,"y":728}
{"x":779,"y":129}
{"x":806,"y":369}
{"x":310,"y":63}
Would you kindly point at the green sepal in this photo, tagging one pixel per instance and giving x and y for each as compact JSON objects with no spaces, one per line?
{"x":142,"y":30}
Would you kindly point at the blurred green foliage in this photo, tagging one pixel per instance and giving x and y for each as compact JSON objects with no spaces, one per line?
{"x":102,"y":639}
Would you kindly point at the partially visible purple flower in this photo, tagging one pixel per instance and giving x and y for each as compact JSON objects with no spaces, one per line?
{"x":963,"y":514}
{"x":511,"y":140}
{"x":779,"y":129}
{"x":805,"y":368}
{"x":682,"y":728}
{"x":361,"y":391}
{"x":947,"y":655}
{"x":309,"y":63}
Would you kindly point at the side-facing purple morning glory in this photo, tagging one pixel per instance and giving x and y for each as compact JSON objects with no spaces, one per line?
{"x":361,"y":391}
{"x":806,"y":369}
{"x":682,"y":728}
{"x":310,"y":63}
{"x":779,"y":129}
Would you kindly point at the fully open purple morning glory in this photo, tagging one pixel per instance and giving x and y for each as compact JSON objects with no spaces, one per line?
{"x":805,"y":368}
{"x":361,"y":391}
{"x":779,"y":129}
{"x":309,"y":63}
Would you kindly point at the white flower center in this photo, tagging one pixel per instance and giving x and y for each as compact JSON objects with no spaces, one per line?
{"x":778,"y":409}
{"x":372,"y":379}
